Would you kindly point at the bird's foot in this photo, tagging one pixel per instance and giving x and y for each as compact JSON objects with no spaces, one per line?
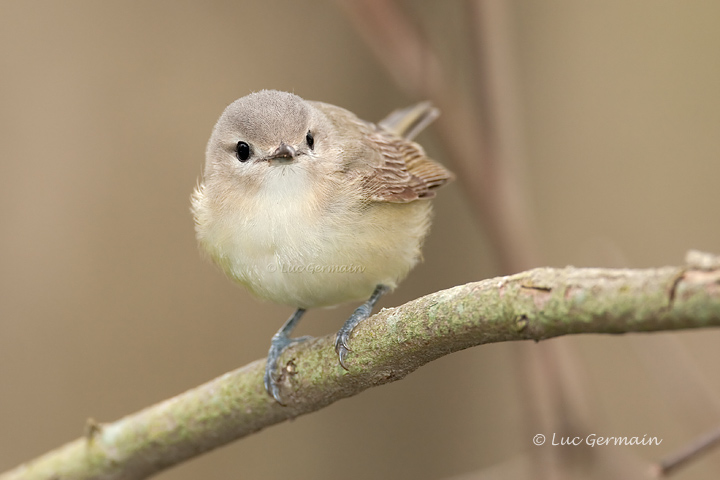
{"x":278,"y":345}
{"x":343,"y":335}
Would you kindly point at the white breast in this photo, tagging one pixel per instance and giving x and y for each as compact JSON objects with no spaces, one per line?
{"x":295,"y":245}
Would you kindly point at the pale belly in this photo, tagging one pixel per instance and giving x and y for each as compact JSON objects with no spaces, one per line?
{"x":286,"y":245}
{"x":309,"y":261}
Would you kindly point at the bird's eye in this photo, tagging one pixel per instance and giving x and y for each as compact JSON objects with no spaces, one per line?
{"x":242,"y":150}
{"x":310,"y":140}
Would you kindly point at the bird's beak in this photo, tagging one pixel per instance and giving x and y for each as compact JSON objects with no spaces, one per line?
{"x":284,"y":153}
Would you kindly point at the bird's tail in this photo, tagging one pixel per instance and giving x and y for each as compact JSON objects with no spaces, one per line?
{"x":410,"y":121}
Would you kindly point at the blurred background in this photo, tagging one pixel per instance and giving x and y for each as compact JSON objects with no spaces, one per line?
{"x":600,"y":119}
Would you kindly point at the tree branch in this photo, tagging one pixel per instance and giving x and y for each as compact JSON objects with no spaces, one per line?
{"x":533,"y":305}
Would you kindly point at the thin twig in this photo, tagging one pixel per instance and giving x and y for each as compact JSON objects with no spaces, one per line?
{"x":496,"y":93}
{"x":691,"y":452}
{"x":493,"y":190}
{"x":537,"y":304}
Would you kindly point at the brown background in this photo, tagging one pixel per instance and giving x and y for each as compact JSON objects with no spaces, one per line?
{"x":107,"y":307}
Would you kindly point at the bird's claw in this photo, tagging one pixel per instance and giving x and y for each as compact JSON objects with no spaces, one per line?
{"x":341,"y":346}
{"x":343,"y":335}
{"x":272,"y":379}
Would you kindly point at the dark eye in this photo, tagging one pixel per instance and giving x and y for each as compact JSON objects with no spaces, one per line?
{"x":242,"y":150}
{"x":310,"y":140}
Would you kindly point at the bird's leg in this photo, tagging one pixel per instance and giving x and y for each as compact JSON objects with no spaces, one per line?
{"x":360,"y":314}
{"x":280,"y":341}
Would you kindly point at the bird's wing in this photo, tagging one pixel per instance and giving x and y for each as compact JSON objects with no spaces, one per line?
{"x":403,"y":173}
{"x":383,"y":158}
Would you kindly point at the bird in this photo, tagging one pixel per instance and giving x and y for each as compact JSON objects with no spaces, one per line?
{"x":306,"y":205}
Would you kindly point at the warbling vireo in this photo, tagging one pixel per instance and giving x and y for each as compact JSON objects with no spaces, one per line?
{"x":306,"y":205}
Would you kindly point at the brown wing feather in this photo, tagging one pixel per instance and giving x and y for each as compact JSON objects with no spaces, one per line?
{"x":404,"y":173}
{"x":390,"y":167}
